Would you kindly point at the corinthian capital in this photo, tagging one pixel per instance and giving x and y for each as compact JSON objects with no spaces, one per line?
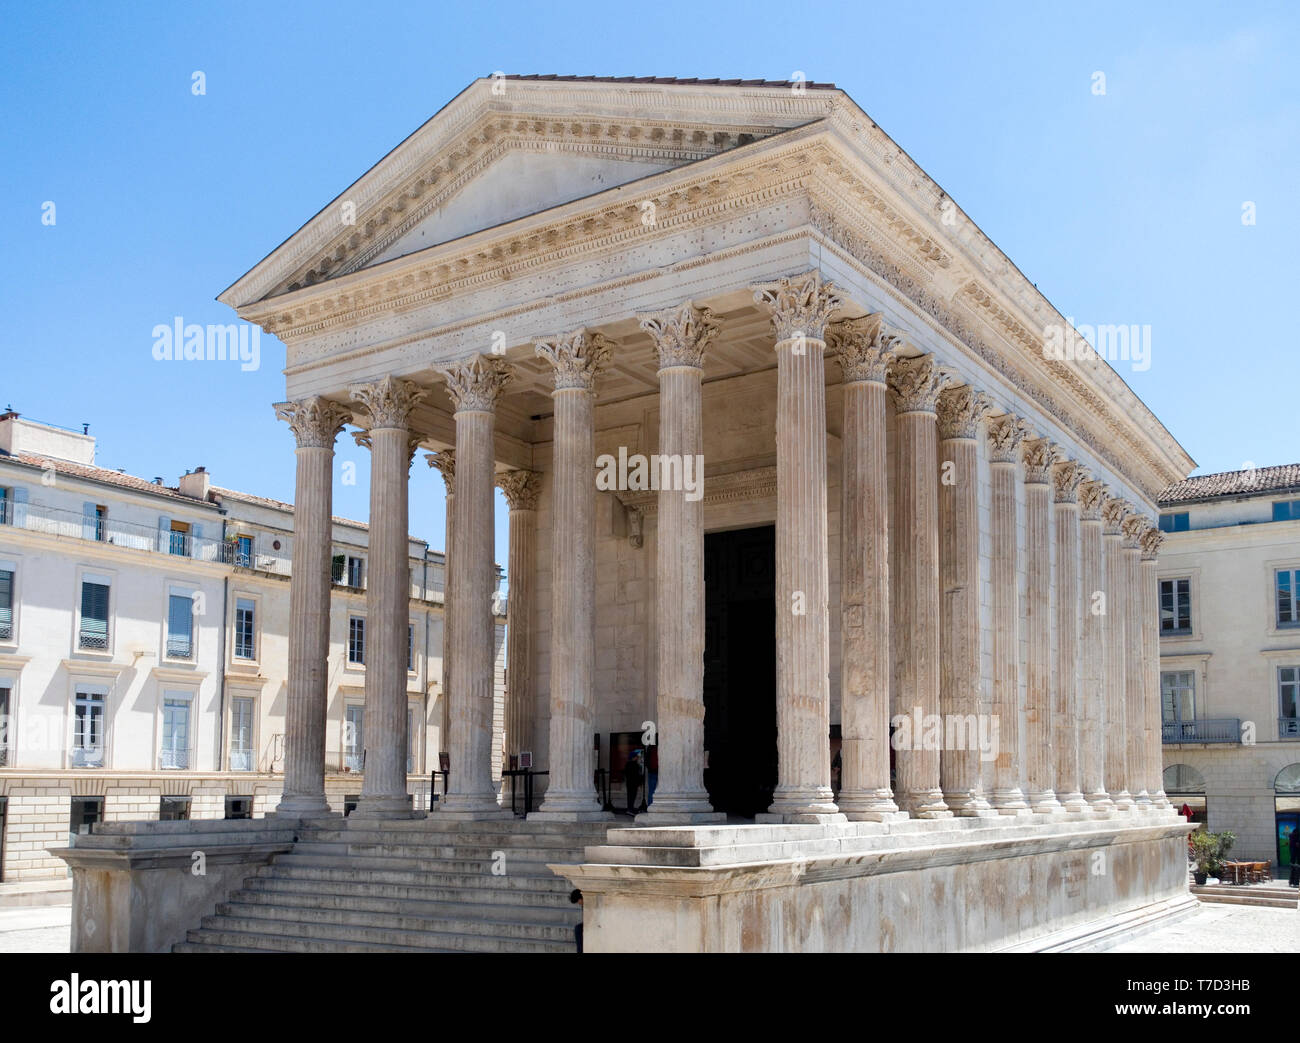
{"x":521,"y":489}
{"x":1113,"y":513}
{"x":1005,"y":435}
{"x":1151,"y":540}
{"x":917,"y":383}
{"x":315,"y":422}
{"x":801,"y":306}
{"x":1133,"y":527}
{"x":866,"y":347}
{"x":445,"y":461}
{"x":960,"y":410}
{"x":1066,"y":476}
{"x":1040,"y":455}
{"x":577,"y":358}
{"x":1092,"y":497}
{"x":475,"y":384}
{"x":389,"y":401}
{"x":681,"y":334}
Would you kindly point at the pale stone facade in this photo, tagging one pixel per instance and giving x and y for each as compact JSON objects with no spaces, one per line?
{"x":63,"y":521}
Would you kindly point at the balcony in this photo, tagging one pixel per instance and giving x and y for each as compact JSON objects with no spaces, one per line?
{"x":55,"y":521}
{"x":1288,"y":727}
{"x":173,"y":758}
{"x":1209,"y":729}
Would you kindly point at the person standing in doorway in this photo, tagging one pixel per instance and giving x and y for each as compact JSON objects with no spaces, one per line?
{"x":632,"y":775}
{"x":1294,"y":841}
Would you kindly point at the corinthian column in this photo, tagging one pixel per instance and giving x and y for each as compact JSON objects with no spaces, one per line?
{"x":1092,"y":678}
{"x":1154,"y":757}
{"x":681,"y":337}
{"x":1113,"y":512}
{"x":315,"y":423}
{"x":388,"y":403}
{"x":1065,"y":710}
{"x":1040,"y":455}
{"x":960,"y":410}
{"x":474,"y":387}
{"x":1134,"y":669}
{"x":445,"y":462}
{"x":800,"y":308}
{"x":917,"y":382}
{"x":571,"y":794}
{"x":866,"y":348}
{"x":521,"y":489}
{"x":1005,"y":436}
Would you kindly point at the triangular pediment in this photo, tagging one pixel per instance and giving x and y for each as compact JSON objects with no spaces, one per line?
{"x":508,"y":148}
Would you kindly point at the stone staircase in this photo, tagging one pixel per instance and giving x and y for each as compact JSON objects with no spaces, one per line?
{"x":1276,"y":895}
{"x":417,"y":885}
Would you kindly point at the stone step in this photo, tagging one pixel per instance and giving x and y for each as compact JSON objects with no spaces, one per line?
{"x":458,"y":866}
{"x":523,"y":897}
{"x":376,"y":925}
{"x":1269,"y":898}
{"x":342,"y":872}
{"x":521,"y":910}
{"x":293,"y":936}
{"x":585,"y":830}
{"x":462,"y":852}
{"x":490,"y":841}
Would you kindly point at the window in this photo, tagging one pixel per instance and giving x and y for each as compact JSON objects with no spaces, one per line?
{"x":356,"y":639}
{"x":1287,"y":587}
{"x":6,"y":722}
{"x":6,"y":511}
{"x":1175,"y":606}
{"x":6,"y":604}
{"x":353,"y":738}
{"x":176,"y":731}
{"x":99,"y":523}
{"x":338,"y":566}
{"x":239,"y":807}
{"x":179,"y":540}
{"x":86,"y":811}
{"x":94,"y":615}
{"x":410,"y":646}
{"x":245,"y":614}
{"x":241,"y":734}
{"x":410,"y":740}
{"x":355,"y":570}
{"x":244,"y":551}
{"x":1177,"y":522}
{"x":1288,"y":697}
{"x":1177,"y":697}
{"x":88,"y":729}
{"x":1286,"y":510}
{"x":180,"y":626}
{"x":173,"y":809}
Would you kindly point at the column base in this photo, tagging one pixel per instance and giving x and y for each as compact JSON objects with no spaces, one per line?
{"x":1099,"y":800}
{"x":813,"y":804}
{"x":969,"y":804}
{"x":384,"y":807}
{"x":924,"y":804}
{"x":1044,"y":802}
{"x":1124,"y":801}
{"x":1143,"y":799}
{"x":558,"y":806}
{"x":1009,"y":802}
{"x":1075,"y":803}
{"x":468,"y":808}
{"x":302,"y":807}
{"x":875,"y":805}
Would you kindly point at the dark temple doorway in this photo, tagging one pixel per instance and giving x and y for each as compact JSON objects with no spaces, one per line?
{"x":740,"y":669}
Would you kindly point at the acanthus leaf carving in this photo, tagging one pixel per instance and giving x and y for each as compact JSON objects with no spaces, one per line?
{"x":866,"y":347}
{"x":476,"y":383}
{"x":960,"y":409}
{"x":1005,"y":433}
{"x":576,"y":357}
{"x":521,"y":488}
{"x":681,"y":334}
{"x":315,"y":422}
{"x":388,"y":401}
{"x":801,"y":305}
{"x":917,"y":383}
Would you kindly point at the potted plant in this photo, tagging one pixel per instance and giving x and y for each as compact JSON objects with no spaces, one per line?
{"x":1208,"y":851}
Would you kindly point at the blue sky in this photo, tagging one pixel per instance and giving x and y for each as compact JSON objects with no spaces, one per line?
{"x":1123,"y":207}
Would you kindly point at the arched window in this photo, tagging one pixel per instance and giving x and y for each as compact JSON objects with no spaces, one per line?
{"x":1288,"y":780}
{"x":1183,"y":778}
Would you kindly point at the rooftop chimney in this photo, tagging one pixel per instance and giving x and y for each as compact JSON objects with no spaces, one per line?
{"x":196,"y":483}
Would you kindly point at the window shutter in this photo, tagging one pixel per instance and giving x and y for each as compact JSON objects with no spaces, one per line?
{"x":20,"y":505}
{"x":6,"y":604}
{"x":94,"y":612}
{"x":179,"y":617}
{"x":164,"y":534}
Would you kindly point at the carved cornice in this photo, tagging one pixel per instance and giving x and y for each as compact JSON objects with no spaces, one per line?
{"x":755,"y":484}
{"x":1151,"y":540}
{"x":577,"y":358}
{"x":917,"y":383}
{"x":445,"y":461}
{"x":960,"y":410}
{"x":1040,"y":454}
{"x":388,"y":402}
{"x":681,"y":334}
{"x":521,"y":488}
{"x":866,"y":347}
{"x":1066,"y":476}
{"x":475,"y":384}
{"x":800,"y":306}
{"x":315,"y":422}
{"x":1092,"y":496}
{"x":1005,"y":433}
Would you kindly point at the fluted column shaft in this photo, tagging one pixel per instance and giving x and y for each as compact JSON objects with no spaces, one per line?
{"x":1066,"y":707}
{"x":315,"y":424}
{"x":1038,"y":628}
{"x":445,"y":462}
{"x":571,"y":793}
{"x":1092,"y":631}
{"x":959,"y":411}
{"x":1116,"y":604}
{"x":521,"y":489}
{"x":865,"y":351}
{"x":1005,"y":436}
{"x":1154,"y":753}
{"x":1135,"y":748}
{"x":916,"y":619}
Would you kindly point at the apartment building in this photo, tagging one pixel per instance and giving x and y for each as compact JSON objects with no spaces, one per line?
{"x":1229,"y":574}
{"x":143,"y":648}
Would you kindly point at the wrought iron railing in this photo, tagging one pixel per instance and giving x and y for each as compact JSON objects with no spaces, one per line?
{"x":1288,"y":727}
{"x":1209,"y":729}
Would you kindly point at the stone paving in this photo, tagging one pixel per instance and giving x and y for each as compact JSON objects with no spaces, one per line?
{"x":45,"y":928}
